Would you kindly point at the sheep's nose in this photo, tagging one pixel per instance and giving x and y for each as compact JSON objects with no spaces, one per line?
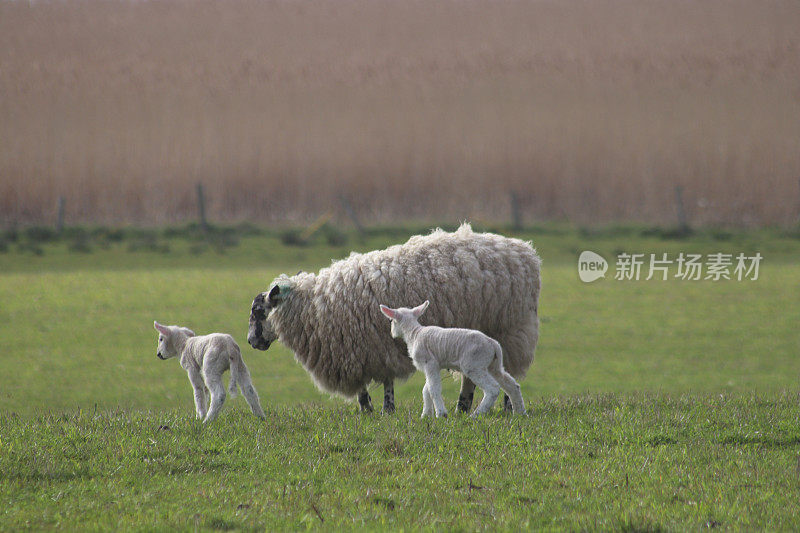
{"x":258,"y":343}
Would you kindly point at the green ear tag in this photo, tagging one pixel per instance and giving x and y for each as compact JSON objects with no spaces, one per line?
{"x":284,"y":290}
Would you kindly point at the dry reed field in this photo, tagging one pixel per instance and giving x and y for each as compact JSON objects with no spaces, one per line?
{"x":590,"y":111}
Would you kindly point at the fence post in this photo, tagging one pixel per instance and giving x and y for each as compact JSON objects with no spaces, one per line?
{"x":798,"y":200}
{"x":60,"y":215}
{"x":683,"y":224}
{"x":516,"y":212}
{"x":348,"y":209}
{"x":201,"y":207}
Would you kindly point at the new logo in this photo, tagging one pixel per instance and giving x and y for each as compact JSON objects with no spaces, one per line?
{"x":591,"y":266}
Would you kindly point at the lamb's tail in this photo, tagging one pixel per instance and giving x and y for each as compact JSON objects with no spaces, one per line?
{"x":497,"y":362}
{"x":240,"y":376}
{"x":239,"y":372}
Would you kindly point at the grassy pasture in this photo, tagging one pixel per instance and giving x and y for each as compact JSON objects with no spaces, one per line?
{"x":607,"y":462}
{"x":654,"y":405}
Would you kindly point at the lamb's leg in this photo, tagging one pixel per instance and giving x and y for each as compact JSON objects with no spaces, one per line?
{"x":199,"y":403}
{"x":512,"y":389}
{"x":491,"y":390}
{"x":250,"y":394}
{"x":199,"y":395}
{"x":217,"y":397}
{"x":364,"y":401}
{"x":434,"y":382}
{"x":466,"y":395}
{"x":507,"y":403}
{"x":388,"y":397}
{"x":427,"y":401}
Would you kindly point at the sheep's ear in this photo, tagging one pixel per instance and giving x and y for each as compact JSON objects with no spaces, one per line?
{"x":277,"y":294}
{"x":389,"y":313}
{"x":420,"y":309}
{"x":161,"y":329}
{"x":274,"y":296}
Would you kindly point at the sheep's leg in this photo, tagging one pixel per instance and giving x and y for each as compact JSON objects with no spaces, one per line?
{"x":388,"y":397}
{"x":466,"y":395}
{"x":434,"y":383}
{"x":364,"y":401}
{"x":427,"y":401}
{"x":199,"y":394}
{"x":217,"y":398}
{"x":491,"y":390}
{"x":512,"y":389}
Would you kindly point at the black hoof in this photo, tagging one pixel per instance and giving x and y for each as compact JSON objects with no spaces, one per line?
{"x":465,"y":403}
{"x":365,"y":402}
{"x":507,"y":407}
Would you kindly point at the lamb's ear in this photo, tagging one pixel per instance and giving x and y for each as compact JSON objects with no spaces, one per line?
{"x":420,"y":309}
{"x":161,"y":329}
{"x":388,"y":312}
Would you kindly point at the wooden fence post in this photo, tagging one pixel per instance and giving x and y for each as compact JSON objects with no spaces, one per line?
{"x":516,"y":212}
{"x":348,"y":209}
{"x":683,"y":224}
{"x":201,"y":207}
{"x":60,"y":215}
{"x":798,"y":200}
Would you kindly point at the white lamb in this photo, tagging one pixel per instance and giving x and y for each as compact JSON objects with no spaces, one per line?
{"x":206,"y":358}
{"x":474,"y":354}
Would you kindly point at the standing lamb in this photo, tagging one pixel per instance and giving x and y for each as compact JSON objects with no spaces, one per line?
{"x":332,"y":322}
{"x":472,"y":353}
{"x":205,"y":359}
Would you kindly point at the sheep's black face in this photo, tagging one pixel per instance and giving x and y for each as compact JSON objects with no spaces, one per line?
{"x":259,"y":334}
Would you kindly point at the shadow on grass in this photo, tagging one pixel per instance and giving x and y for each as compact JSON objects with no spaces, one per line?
{"x":761,"y":440}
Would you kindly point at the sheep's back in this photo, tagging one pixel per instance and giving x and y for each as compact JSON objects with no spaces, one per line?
{"x":473,"y":280}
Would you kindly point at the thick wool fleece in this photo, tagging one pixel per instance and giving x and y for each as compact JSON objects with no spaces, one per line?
{"x":332,"y":320}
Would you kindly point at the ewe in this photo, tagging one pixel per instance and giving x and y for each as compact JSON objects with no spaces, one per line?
{"x":332,"y":323}
{"x":468,"y":351}
{"x":205,"y":359}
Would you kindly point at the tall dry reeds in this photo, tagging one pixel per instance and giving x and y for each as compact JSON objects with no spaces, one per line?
{"x":591,"y":111}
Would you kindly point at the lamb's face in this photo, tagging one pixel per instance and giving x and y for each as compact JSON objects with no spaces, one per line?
{"x":166,"y":347}
{"x":403,"y":318}
{"x":260,"y":333}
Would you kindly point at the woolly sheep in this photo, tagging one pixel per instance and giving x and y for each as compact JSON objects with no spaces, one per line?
{"x":205,"y":358}
{"x":332,"y":322}
{"x":469,"y":351}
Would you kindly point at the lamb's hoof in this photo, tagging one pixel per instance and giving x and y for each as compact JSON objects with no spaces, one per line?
{"x":443,"y":415}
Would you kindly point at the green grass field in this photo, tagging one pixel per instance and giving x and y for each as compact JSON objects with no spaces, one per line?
{"x":654,"y":404}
